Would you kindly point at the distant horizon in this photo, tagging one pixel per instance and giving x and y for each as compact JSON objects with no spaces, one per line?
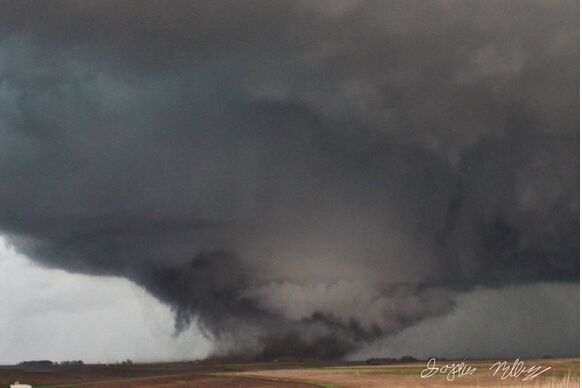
{"x":242,"y":361}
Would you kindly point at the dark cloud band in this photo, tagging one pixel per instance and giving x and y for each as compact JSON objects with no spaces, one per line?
{"x":314,"y":174}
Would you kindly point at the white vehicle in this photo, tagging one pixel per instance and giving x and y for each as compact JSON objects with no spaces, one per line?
{"x":18,"y":385}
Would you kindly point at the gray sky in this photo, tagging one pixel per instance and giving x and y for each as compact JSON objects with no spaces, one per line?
{"x":298,"y":179}
{"x":514,"y":322}
{"x":55,"y":315}
{"x":52,"y":314}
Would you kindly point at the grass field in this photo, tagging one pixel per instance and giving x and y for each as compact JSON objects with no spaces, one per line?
{"x":563,"y":373}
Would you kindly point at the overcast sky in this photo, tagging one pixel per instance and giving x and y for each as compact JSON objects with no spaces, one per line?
{"x":52,"y":314}
{"x":295,"y":178}
{"x":55,"y":315}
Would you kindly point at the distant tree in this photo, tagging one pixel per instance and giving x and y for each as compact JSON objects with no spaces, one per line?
{"x":76,"y":362}
{"x":38,"y":363}
{"x":389,"y":360}
{"x":381,"y":361}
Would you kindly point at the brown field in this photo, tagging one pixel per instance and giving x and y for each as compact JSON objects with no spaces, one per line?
{"x":564,"y":373}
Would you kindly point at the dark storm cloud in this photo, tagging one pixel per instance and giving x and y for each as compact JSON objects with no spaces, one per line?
{"x":293,"y":172}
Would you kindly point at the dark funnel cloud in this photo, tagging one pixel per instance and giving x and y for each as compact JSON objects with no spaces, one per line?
{"x":298,"y":178}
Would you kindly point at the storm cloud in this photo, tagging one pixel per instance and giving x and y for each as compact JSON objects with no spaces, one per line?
{"x":298,"y":178}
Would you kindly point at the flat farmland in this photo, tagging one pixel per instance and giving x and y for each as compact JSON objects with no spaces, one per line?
{"x":563,"y":373}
